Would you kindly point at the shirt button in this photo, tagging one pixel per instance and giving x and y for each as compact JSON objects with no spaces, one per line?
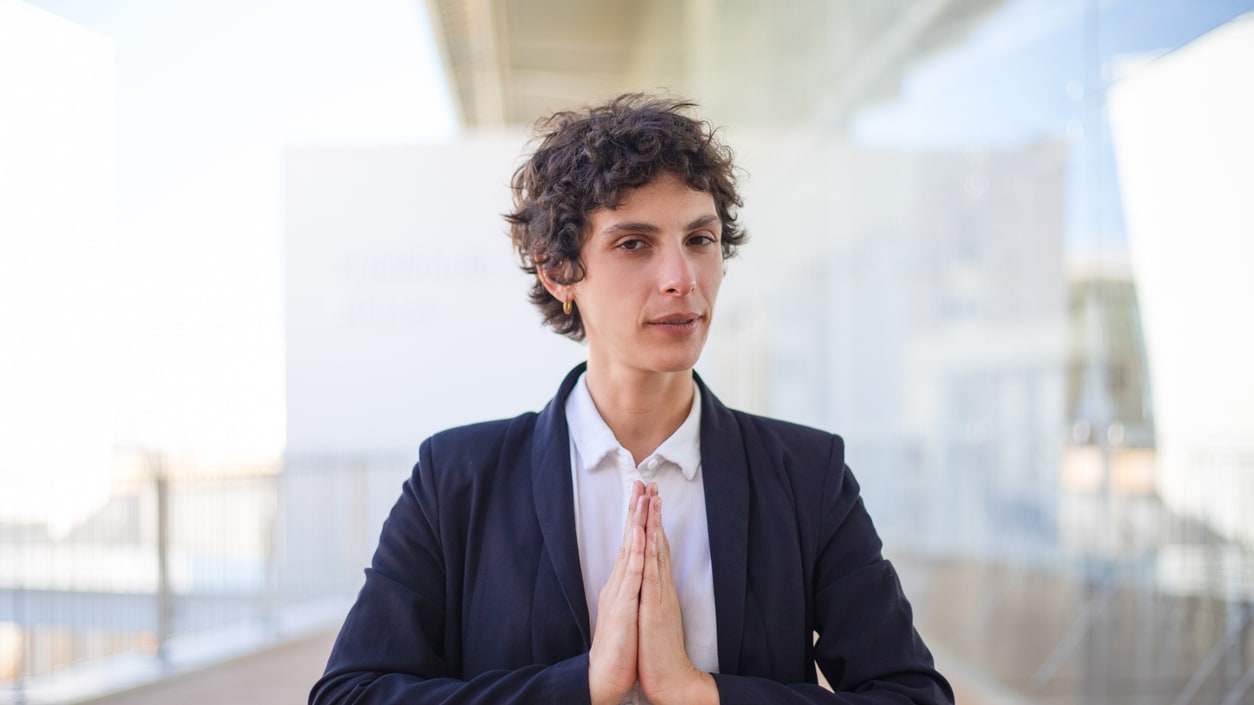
{"x":651,"y":464}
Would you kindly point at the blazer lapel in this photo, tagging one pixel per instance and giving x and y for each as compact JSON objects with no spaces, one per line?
{"x":726,"y":478}
{"x":554,"y":499}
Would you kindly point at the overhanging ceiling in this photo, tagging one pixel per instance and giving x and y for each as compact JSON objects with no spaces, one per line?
{"x":790,"y":61}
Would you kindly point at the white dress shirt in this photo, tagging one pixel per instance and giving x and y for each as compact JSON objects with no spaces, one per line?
{"x":602,"y":472}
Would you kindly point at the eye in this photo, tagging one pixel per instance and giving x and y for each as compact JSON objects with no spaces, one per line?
{"x":703,"y":239}
{"x":631,"y":245}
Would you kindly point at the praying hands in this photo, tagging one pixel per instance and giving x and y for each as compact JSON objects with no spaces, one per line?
{"x":639,"y":634}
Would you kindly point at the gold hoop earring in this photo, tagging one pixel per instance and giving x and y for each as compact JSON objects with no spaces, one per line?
{"x":568,"y":306}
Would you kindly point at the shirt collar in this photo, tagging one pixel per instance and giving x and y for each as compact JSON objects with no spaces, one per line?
{"x":595,"y":441}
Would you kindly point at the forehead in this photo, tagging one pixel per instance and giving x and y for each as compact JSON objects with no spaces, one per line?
{"x":667,"y":197}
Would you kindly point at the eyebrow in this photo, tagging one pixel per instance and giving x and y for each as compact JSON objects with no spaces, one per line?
{"x":632,"y":227}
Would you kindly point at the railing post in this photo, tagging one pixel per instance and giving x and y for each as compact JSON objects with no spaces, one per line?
{"x":357,"y":518}
{"x":270,"y":552}
{"x":165,"y":600}
{"x":24,"y":639}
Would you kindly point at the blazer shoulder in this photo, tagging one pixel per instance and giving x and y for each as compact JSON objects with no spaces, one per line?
{"x":482,"y":431}
{"x":792,"y":438}
{"x":809,"y":461}
{"x":478,"y":445}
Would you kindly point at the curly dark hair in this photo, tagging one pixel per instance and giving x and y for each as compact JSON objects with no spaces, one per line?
{"x":586,"y":159}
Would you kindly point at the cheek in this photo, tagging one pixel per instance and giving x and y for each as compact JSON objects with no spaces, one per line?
{"x":712,"y":278}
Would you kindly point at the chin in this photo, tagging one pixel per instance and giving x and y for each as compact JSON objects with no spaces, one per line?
{"x":648,"y":356}
{"x":675,"y":363}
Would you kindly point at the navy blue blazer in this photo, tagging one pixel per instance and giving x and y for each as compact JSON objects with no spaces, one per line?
{"x":475,"y":593}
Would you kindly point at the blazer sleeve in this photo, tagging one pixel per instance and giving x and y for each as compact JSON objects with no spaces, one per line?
{"x":393,"y":648}
{"x":867,"y":646}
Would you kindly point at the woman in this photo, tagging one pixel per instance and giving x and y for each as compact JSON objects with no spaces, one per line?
{"x":635,"y":541}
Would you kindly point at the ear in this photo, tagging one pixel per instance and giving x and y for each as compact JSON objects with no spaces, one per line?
{"x":561,"y":292}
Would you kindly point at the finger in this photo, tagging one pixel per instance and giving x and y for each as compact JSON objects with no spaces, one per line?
{"x":633,"y":574}
{"x":637,"y":491}
{"x":664,"y":543}
{"x":660,"y":547}
{"x":636,"y":518}
{"x":655,"y":525}
{"x":652,"y":569}
{"x":649,"y":578}
{"x":637,"y":524}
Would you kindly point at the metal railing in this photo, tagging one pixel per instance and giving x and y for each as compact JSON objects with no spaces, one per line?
{"x":177,"y":552}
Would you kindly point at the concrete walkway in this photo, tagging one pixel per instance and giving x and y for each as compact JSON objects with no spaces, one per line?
{"x":282,"y":675}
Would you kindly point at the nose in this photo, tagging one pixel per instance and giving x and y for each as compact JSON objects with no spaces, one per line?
{"x":678,"y":276}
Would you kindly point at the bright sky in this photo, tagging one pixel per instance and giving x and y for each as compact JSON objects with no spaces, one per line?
{"x":164,"y":328}
{"x":1025,"y":76}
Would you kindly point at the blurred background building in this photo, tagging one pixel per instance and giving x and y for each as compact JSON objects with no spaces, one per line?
{"x":998,"y":245}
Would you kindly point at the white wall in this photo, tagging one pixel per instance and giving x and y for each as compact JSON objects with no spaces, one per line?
{"x":57,"y":266}
{"x":406,"y":310}
{"x":1185,"y":151}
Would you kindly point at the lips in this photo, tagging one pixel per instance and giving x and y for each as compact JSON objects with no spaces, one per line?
{"x":676,"y":319}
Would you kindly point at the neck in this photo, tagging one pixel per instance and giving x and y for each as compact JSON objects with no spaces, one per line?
{"x":643,"y":409}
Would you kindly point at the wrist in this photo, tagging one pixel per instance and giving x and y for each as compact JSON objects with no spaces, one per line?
{"x":600,"y":696}
{"x":600,"y":692}
{"x":698,"y":689}
{"x":703,"y":691}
